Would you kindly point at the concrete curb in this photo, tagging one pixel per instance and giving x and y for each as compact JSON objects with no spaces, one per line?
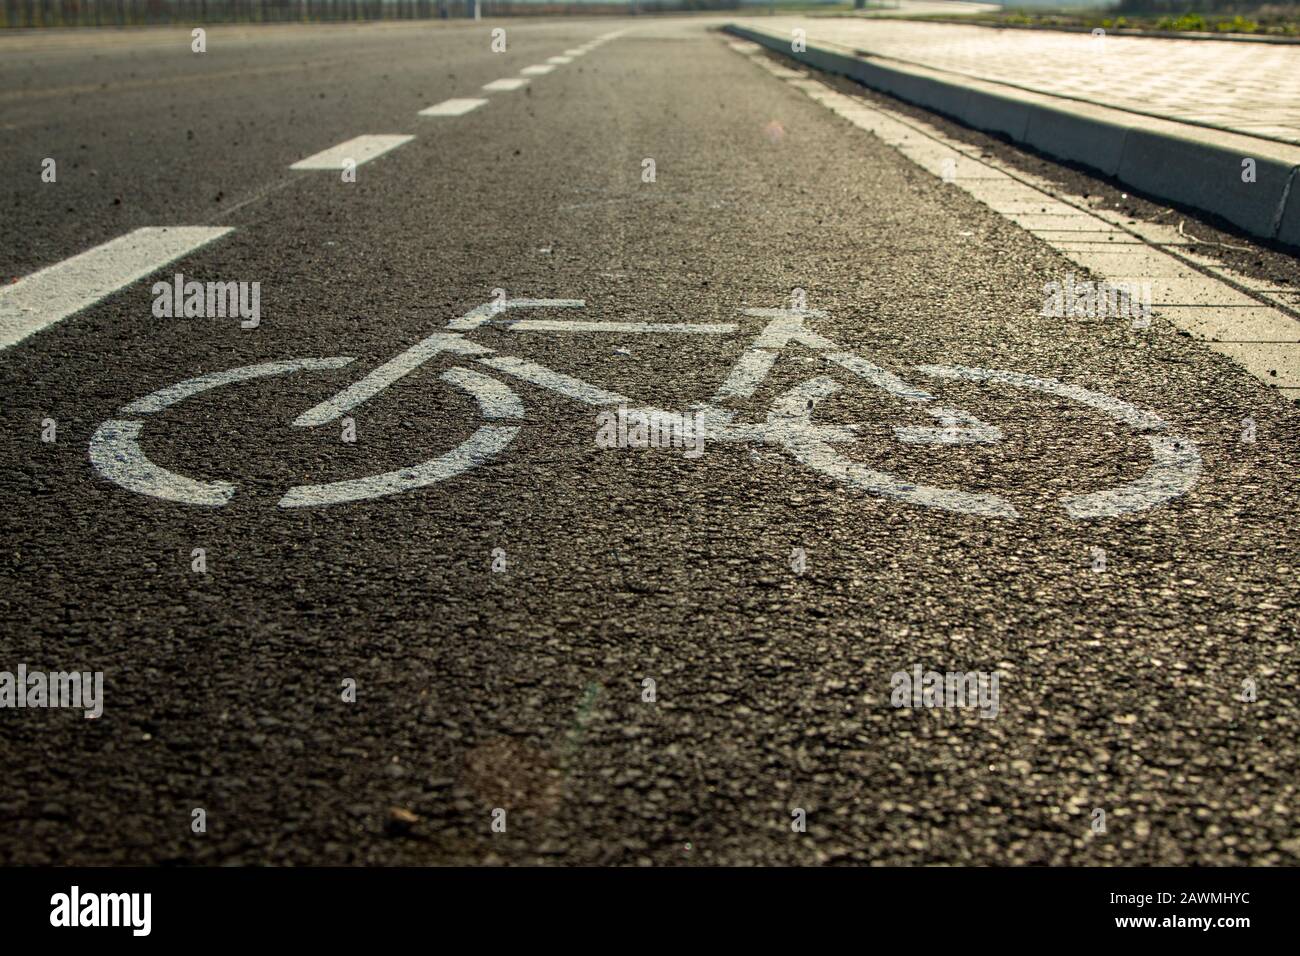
{"x":1194,"y":166}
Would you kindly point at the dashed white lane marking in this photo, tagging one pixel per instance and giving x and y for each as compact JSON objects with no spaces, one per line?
{"x":543,"y":377}
{"x":537,"y":69}
{"x":65,"y":288}
{"x":452,"y":107}
{"x":386,"y":375}
{"x":574,"y":52}
{"x":559,"y":60}
{"x":358,"y":150}
{"x":505,"y":85}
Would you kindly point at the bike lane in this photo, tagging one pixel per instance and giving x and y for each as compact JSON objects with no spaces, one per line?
{"x":500,"y":626}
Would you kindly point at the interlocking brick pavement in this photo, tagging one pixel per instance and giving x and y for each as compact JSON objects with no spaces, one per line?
{"x":1245,"y":87}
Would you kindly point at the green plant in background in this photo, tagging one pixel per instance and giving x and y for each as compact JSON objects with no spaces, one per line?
{"x":1162,"y":16}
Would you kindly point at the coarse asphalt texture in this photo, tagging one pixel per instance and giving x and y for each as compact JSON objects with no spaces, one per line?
{"x":522,"y":689}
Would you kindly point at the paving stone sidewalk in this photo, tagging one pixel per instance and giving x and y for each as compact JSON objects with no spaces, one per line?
{"x":1245,"y":87}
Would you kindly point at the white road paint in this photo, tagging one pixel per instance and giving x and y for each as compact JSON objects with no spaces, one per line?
{"x":801,"y":440}
{"x":784,"y":313}
{"x":786,"y":327}
{"x":1177,"y":460}
{"x":559,"y":60}
{"x":505,"y":85}
{"x":43,"y":298}
{"x":495,"y":398}
{"x":575,"y":52}
{"x":166,"y":397}
{"x":386,"y":375}
{"x":452,"y":107}
{"x":566,"y":385}
{"x":677,"y":328}
{"x":359,"y":150}
{"x":1190,"y":290}
{"x":956,"y":427}
{"x":1177,"y":465}
{"x":537,"y":69}
{"x":483,"y":314}
{"x":1136,"y":418}
{"x":880,"y":378}
{"x":116,"y":454}
{"x":478,"y":448}
{"x":749,"y":372}
{"x":115,"y":449}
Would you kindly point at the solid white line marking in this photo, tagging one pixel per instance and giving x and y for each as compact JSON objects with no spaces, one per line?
{"x":360,"y":149}
{"x":386,"y":375}
{"x":67,"y":287}
{"x":556,"y":325}
{"x":543,"y":377}
{"x":509,"y":83}
{"x":452,"y":107}
{"x":537,"y":69}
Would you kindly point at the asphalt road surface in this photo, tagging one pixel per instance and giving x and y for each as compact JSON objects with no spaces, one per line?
{"x":769,"y":597}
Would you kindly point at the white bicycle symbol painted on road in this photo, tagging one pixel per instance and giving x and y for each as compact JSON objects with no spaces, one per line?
{"x":116,"y":452}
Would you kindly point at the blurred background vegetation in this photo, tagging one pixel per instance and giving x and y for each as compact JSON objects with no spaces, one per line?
{"x":1154,"y":16}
